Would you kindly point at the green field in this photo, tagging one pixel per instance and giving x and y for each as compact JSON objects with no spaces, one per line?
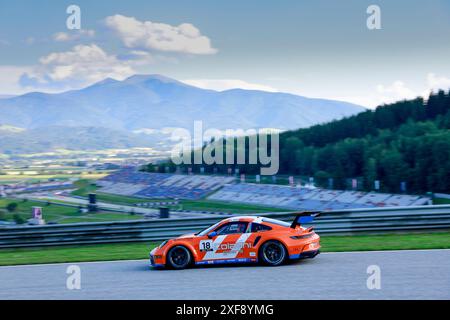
{"x":441,"y":201}
{"x":407,"y":241}
{"x":34,"y":178}
{"x":210,"y":205}
{"x":131,"y":251}
{"x":58,"y":214}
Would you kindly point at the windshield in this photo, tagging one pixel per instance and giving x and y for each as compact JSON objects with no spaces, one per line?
{"x":278,"y":222}
{"x":208,"y":230}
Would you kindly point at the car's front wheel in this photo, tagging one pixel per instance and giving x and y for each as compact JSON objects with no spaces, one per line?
{"x":272,"y":253}
{"x":179,"y":257}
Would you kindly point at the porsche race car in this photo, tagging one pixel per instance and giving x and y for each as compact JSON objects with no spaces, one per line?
{"x":241,"y":239}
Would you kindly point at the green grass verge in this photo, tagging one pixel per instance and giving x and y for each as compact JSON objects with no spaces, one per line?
{"x":85,"y":187}
{"x":59,"y":214}
{"x":101,"y":252}
{"x":116,"y":199}
{"x":412,"y":241}
{"x":441,"y":201}
{"x":131,"y":251}
{"x":209,"y":205}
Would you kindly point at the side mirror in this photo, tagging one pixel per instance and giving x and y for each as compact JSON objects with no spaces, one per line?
{"x":212,"y":234}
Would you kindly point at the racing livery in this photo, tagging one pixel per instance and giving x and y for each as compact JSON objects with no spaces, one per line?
{"x":241,"y":240}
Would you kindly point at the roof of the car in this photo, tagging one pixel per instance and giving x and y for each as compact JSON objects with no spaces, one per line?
{"x":244,"y":219}
{"x":257,"y":219}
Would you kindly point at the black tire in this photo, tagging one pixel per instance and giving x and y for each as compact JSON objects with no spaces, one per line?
{"x":179,"y":257}
{"x":272,"y":253}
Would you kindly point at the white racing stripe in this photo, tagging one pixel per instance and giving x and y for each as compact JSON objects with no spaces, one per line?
{"x":215,"y":245}
{"x":240,"y":242}
{"x":230,"y":254}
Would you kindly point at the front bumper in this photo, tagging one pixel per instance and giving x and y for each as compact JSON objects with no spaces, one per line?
{"x":155,"y":260}
{"x":155,"y":265}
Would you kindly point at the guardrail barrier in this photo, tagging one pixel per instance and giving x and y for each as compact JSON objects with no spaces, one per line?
{"x":395,"y":219}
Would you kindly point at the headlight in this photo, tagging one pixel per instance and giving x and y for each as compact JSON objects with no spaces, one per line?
{"x":163,"y":243}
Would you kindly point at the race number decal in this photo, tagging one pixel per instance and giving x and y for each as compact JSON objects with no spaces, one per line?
{"x":206,"y":245}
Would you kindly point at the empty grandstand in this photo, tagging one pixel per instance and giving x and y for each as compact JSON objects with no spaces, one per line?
{"x":297,"y":198}
{"x":129,"y":182}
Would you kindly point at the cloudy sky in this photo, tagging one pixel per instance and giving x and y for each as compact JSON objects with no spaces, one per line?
{"x":312,"y":48}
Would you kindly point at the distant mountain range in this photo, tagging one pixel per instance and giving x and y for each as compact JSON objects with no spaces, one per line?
{"x":19,"y":141}
{"x":6,"y":96}
{"x":109,"y":113}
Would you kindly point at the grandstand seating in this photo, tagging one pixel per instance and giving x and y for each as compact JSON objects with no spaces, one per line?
{"x":401,"y":200}
{"x":129,"y":182}
{"x":422,"y":201}
{"x":296,"y":198}
{"x":125,"y":189}
{"x":372,"y":198}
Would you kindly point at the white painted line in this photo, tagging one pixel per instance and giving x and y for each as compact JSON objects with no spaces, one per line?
{"x":74,"y":262}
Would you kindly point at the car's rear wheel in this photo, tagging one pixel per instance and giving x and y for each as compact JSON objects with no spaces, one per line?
{"x":179,"y":257}
{"x":272,"y":253}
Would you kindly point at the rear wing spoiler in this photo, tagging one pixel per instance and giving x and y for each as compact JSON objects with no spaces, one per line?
{"x":304,"y":217}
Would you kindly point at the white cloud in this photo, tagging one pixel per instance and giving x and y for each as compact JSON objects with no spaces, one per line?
{"x":368,"y":101}
{"x":382,"y":94}
{"x":226,"y":84}
{"x":9,"y":79}
{"x":138,"y":57}
{"x":435,"y":82}
{"x":185,"y":38}
{"x":148,"y":131}
{"x":74,"y":35}
{"x":395,"y":92}
{"x":83,"y":65}
{"x":398,"y":91}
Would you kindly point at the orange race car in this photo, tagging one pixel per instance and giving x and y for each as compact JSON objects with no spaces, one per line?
{"x":240,"y":240}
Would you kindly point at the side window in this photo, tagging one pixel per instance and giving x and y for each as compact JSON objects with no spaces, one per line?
{"x":257,"y":227}
{"x":232,"y":227}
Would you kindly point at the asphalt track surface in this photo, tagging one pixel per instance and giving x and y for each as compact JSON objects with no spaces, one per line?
{"x":420,"y":274}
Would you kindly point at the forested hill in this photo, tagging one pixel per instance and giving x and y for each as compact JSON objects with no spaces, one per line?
{"x":407,"y":141}
{"x":389,"y":116}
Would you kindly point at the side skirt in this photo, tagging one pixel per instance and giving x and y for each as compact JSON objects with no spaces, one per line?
{"x":224,"y":261}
